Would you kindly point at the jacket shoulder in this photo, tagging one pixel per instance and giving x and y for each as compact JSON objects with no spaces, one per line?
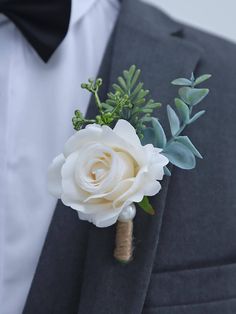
{"x":218,"y":47}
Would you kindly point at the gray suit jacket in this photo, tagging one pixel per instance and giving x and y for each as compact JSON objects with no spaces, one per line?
{"x":185,"y":256}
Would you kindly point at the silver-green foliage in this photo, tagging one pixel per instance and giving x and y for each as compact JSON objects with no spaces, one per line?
{"x":179,"y":149}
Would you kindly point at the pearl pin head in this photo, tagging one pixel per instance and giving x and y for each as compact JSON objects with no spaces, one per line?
{"x":128,"y":213}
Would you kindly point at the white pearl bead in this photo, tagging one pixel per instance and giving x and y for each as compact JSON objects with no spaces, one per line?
{"x":128,"y":213}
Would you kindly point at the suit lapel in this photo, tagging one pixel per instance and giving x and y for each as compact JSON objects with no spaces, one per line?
{"x":153,"y":45}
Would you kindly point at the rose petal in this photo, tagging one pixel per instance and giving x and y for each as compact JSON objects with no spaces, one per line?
{"x":143,"y":184}
{"x":127,"y":132}
{"x":155,"y":162}
{"x":93,"y":151}
{"x":116,"y":142}
{"x":82,"y":137}
{"x":71,"y":192}
{"x":54,"y":176}
{"x":120,"y":189}
{"x":88,"y":208}
{"x":151,"y":188}
{"x":104,"y":217}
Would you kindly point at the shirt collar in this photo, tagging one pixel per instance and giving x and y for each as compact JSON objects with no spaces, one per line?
{"x":80,"y":8}
{"x":3,"y":18}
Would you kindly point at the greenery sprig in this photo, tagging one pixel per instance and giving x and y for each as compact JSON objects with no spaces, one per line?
{"x":128,"y":100}
{"x":179,"y":149}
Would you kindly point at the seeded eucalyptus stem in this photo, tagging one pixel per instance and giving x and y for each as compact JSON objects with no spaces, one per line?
{"x":129,"y":101}
{"x":98,"y":102}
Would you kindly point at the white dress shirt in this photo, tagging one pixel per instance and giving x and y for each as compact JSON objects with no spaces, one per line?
{"x":37,"y":102}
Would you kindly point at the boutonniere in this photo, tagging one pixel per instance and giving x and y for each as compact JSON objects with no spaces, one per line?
{"x":115,"y":161}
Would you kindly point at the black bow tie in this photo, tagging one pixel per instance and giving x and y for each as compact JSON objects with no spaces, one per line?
{"x":44,"y":23}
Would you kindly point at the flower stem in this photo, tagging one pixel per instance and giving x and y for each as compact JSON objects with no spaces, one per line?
{"x":98,"y":102}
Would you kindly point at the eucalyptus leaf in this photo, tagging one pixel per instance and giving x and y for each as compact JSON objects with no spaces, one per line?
{"x":182,"y":82}
{"x":167,"y":171}
{"x":173,"y":120}
{"x":197,"y":116}
{"x":149,"y":137}
{"x":202,"y":79}
{"x":183,"y":110}
{"x":192,"y":96}
{"x":160,"y":137}
{"x":146,"y":206}
{"x":180,"y":155}
{"x":187,"y":142}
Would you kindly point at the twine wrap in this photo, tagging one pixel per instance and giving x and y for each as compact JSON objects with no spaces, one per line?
{"x":124,"y":235}
{"x":124,"y":241}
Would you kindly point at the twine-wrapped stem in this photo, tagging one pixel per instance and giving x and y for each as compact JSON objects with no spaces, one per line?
{"x":124,"y":235}
{"x":124,"y":241}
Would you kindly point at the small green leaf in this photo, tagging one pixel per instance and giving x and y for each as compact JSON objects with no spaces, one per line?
{"x":183,"y":109}
{"x":142,"y":93}
{"x":192,"y":96}
{"x":132,"y":70}
{"x":173,"y":120}
{"x":180,"y":155}
{"x":149,"y":137}
{"x":181,"y":82}
{"x":122,"y":83}
{"x":167,"y":171}
{"x":107,"y":106}
{"x":146,"y":206}
{"x":196,"y":116}
{"x":153,"y":105}
{"x":136,"y":90}
{"x":186,"y":141}
{"x":117,"y":88}
{"x":127,"y":78}
{"x":202,"y":79}
{"x":135,"y":78}
{"x":160,"y":136}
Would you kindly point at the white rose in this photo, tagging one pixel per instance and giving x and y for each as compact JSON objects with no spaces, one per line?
{"x":102,"y":170}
